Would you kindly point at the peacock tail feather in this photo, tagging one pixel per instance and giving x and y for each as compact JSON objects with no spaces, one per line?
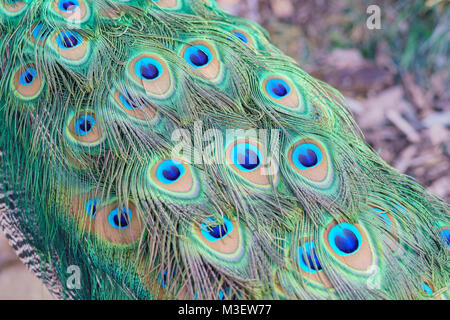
{"x":168,"y":150}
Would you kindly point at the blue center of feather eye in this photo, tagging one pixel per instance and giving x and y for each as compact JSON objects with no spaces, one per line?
{"x":37,"y":31}
{"x":213,"y":231}
{"x":91,"y":207}
{"x":120,"y":218}
{"x":69,"y":6}
{"x":445,"y":236}
{"x":27,"y":77}
{"x":218,"y":231}
{"x":427,"y":288}
{"x":170,"y":171}
{"x":248,"y":159}
{"x":345,"y":239}
{"x":278,"y":88}
{"x":68,"y":39}
{"x":128,"y":102}
{"x":307,"y":258}
{"x":347,"y":242}
{"x":198,"y":56}
{"x":306,"y":156}
{"x":84,"y":125}
{"x":241,"y":36}
{"x":246,"y":156}
{"x":148,"y":69}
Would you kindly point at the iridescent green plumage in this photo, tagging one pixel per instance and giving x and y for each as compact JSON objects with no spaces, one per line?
{"x":169,"y":150}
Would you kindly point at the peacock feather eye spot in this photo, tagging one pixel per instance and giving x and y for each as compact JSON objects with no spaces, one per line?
{"x":347,"y":242}
{"x":306,"y":156}
{"x":68,"y":39}
{"x":170,"y":171}
{"x":241,"y":36}
{"x":120,"y":218}
{"x":249,"y":159}
{"x":14,"y":7}
{"x":246,"y":156}
{"x":445,"y":236}
{"x":218,"y":231}
{"x":148,"y":69}
{"x":174,"y":177}
{"x":38,"y":33}
{"x":27,"y":77}
{"x":84,"y":124}
{"x":128,"y":102}
{"x":37,"y":28}
{"x":345,"y":239}
{"x":27,"y":82}
{"x":307,"y":258}
{"x":282,"y":91}
{"x":69,"y":6}
{"x":84,"y":128}
{"x":198,"y":56}
{"x":214,"y":231}
{"x":278,"y":88}
{"x":92,"y":206}
{"x":316,"y":264}
{"x":426,"y":288}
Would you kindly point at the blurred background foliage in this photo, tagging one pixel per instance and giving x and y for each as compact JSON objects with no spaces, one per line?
{"x":416,"y":32}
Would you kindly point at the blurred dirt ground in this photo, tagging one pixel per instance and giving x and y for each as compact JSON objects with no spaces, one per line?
{"x":396,"y":81}
{"x":16,"y":282}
